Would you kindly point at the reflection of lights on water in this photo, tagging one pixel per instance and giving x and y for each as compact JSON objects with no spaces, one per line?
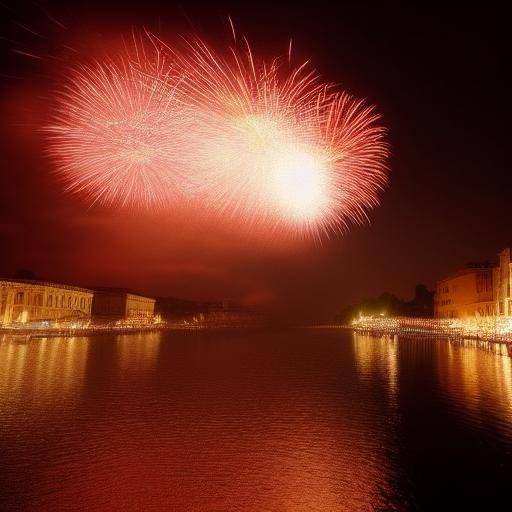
{"x":45,"y":370}
{"x":479,"y":382}
{"x":381,"y":357}
{"x":138,"y":351}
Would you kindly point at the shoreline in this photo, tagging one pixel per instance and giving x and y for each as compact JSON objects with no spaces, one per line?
{"x":96,"y":331}
{"x":483,"y":331}
{"x":456,"y":332}
{"x":378,"y":327}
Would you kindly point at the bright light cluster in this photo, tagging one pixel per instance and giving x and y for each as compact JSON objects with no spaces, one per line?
{"x":264,"y":144}
{"x":491,"y":328}
{"x":71,"y":326}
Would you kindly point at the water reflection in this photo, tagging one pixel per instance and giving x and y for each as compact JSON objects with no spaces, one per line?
{"x":41,"y":372}
{"x":249,"y":421}
{"x":138,"y":352}
{"x":479,"y":381}
{"x":377,"y":357}
{"x":377,"y":365}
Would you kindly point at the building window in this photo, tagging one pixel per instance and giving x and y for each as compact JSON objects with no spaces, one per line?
{"x":19,"y":297}
{"x":82,"y":303}
{"x":49,"y":301}
{"x":69,"y":302}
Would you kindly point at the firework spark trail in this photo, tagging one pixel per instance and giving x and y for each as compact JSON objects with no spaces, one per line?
{"x":118,"y":133}
{"x":285,"y":150}
{"x":262,"y":144}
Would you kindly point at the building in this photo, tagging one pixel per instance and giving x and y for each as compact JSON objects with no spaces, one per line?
{"x":122,"y":304}
{"x":502,"y":278}
{"x":477,"y":290}
{"x":467,"y":292}
{"x":23,"y":301}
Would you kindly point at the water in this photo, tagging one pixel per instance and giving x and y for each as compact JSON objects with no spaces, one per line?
{"x":297,"y":420}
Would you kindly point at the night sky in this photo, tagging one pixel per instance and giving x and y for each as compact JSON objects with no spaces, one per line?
{"x":437,"y":77}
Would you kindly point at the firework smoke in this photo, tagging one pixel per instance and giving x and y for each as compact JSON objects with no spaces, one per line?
{"x":262,"y":144}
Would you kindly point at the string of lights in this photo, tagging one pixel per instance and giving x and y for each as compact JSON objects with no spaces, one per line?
{"x":492,"y":328}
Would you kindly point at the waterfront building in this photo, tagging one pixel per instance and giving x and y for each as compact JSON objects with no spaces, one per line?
{"x":122,"y":304}
{"x":502,"y":278}
{"x":465,"y":293}
{"x":477,"y":290}
{"x":24,"y":301}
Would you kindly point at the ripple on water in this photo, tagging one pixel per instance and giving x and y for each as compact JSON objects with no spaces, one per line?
{"x":245,"y":420}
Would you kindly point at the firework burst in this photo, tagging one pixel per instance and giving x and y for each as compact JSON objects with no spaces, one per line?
{"x":118,"y":132}
{"x":263,"y":144}
{"x":283,"y":149}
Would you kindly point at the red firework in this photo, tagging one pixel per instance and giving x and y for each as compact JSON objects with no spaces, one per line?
{"x":118,"y":131}
{"x":264,"y":144}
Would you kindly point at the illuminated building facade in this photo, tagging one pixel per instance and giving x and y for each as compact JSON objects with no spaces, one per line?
{"x":502,"y":278}
{"x":478,"y":290}
{"x":24,"y":301}
{"x":122,"y":304}
{"x":468,"y":292}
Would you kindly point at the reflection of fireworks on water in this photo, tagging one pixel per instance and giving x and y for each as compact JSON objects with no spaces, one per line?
{"x":264,"y":144}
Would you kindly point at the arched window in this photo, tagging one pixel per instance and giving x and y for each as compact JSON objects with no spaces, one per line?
{"x":19,"y":297}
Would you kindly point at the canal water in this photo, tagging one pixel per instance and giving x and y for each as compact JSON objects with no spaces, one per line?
{"x":292,"y":420}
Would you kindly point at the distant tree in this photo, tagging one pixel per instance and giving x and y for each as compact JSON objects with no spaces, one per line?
{"x":421,"y":292}
{"x":23,"y":273}
{"x":423,"y":302}
{"x":422,"y":305}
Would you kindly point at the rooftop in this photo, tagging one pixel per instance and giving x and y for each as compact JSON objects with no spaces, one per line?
{"x":118,"y":291}
{"x":34,"y":282}
{"x":466,"y":270}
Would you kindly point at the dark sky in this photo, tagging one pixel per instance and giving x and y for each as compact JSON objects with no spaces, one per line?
{"x":438,"y":78}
